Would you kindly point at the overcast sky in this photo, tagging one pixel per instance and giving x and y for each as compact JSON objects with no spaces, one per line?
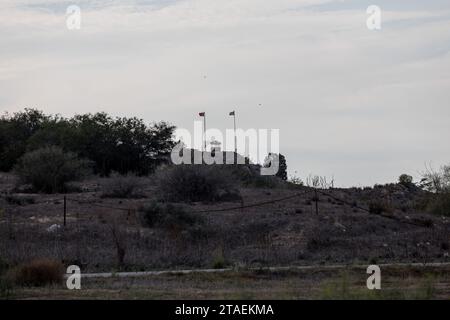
{"x":364,"y":106}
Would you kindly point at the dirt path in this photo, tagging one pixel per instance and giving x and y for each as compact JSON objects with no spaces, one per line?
{"x":273,"y":269}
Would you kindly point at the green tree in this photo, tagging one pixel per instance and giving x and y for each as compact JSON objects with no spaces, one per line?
{"x":15,"y":130}
{"x":282,"y":166}
{"x":113,"y":144}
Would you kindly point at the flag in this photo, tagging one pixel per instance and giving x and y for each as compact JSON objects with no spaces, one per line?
{"x":232,"y":113}
{"x":201,"y":114}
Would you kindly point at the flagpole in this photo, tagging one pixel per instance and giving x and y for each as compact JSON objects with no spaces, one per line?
{"x":204,"y":132}
{"x":235,"y":137}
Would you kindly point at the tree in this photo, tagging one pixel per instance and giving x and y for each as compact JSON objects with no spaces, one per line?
{"x":113,"y":144}
{"x":405,"y":180}
{"x":15,"y":130}
{"x":282,"y":167}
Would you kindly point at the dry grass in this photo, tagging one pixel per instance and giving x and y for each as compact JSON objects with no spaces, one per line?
{"x":317,"y":283}
{"x":122,"y":186}
{"x":38,"y":273}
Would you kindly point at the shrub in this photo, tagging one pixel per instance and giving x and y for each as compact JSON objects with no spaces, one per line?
{"x":122,"y":186}
{"x":38,"y":273}
{"x":437,"y":181}
{"x":440,"y":205}
{"x":6,"y":287}
{"x":168,"y":216}
{"x":296,"y":180}
{"x":3,"y":266}
{"x":379,"y":207}
{"x":218,"y":261}
{"x":271,"y":182}
{"x":405,"y":180}
{"x":19,"y":200}
{"x":49,"y":169}
{"x":195,"y":183}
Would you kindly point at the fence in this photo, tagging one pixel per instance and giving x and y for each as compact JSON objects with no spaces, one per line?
{"x":316,"y":191}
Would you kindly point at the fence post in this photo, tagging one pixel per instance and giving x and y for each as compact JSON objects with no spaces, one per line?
{"x":65,"y":210}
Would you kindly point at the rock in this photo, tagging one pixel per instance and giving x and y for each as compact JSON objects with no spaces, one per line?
{"x":54,"y":228}
{"x":339,"y":225}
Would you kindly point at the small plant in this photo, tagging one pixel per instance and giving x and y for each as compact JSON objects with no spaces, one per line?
{"x":3,"y":266}
{"x":37,"y":273}
{"x":122,"y":186}
{"x":320,"y":182}
{"x":168,"y":216}
{"x":49,"y":169}
{"x":6,"y":287}
{"x":218,"y":259}
{"x":296,"y":180}
{"x":117,"y":238}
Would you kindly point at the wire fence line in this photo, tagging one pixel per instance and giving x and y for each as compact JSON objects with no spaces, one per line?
{"x":309,"y":190}
{"x":258,"y":204}
{"x":392,"y":217}
{"x":267,"y":202}
{"x":100,"y":205}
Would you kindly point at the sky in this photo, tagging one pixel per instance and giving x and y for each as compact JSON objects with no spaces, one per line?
{"x":362,"y":106}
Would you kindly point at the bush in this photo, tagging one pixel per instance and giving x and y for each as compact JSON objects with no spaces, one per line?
{"x":440,"y":205}
{"x":405,"y":180}
{"x":271,"y":182}
{"x":38,"y":273}
{"x":379,"y":207}
{"x":196,"y":183}
{"x":19,"y":200}
{"x":49,"y":169}
{"x":219,"y":261}
{"x":122,"y":186}
{"x":6,"y":287}
{"x":3,"y":266}
{"x":437,"y":181}
{"x":168,"y":216}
